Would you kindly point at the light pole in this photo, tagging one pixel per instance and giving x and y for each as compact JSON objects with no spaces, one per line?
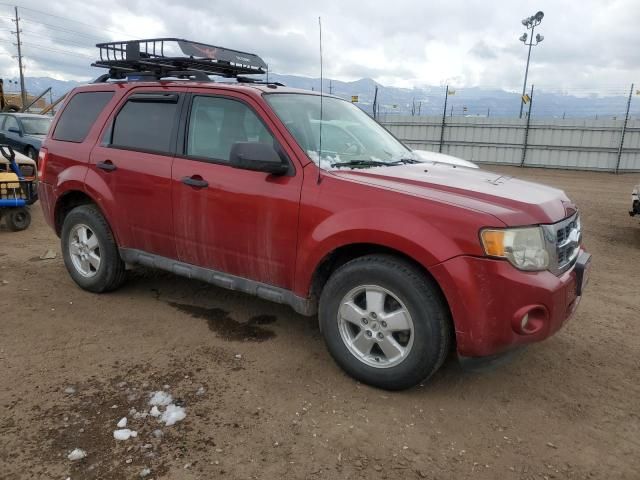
{"x":531,"y":23}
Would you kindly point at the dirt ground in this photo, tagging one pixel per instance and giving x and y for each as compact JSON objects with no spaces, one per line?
{"x":264,"y":399}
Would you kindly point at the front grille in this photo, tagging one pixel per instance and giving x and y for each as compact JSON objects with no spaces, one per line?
{"x":567,"y":235}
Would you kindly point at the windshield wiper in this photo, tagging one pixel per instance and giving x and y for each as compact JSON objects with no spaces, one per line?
{"x":375,"y":163}
{"x":362,"y":163}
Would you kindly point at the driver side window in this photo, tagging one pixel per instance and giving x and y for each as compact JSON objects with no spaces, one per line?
{"x":215,"y":124}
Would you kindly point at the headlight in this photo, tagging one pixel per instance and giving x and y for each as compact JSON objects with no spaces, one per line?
{"x":525,"y":248}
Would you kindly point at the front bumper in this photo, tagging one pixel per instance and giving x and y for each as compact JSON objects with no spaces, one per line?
{"x":489,"y":299}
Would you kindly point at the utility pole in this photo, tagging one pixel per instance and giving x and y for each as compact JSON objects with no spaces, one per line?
{"x":330,"y":87}
{"x":23,"y":92}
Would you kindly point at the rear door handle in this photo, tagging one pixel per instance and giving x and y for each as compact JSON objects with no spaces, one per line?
{"x":107,"y":166}
{"x":195,"y":181}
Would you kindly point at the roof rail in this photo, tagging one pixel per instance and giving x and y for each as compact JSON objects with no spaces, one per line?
{"x":174,"y":57}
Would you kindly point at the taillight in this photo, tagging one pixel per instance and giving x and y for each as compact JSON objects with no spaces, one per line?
{"x":42,"y":163}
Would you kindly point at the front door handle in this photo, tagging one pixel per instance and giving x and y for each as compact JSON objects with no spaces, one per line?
{"x":107,"y":166}
{"x":195,"y":181}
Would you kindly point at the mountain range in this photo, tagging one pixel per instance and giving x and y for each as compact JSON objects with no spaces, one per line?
{"x":428,"y":100}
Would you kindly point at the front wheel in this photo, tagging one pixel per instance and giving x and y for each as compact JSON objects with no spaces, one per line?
{"x":384,"y":322}
{"x":90,"y":251}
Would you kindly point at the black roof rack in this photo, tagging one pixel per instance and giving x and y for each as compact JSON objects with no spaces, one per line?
{"x":174,"y":57}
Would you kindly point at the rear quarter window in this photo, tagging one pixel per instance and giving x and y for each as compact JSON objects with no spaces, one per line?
{"x":79,"y":115}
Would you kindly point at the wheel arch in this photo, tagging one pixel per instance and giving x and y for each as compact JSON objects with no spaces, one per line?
{"x":345,"y":253}
{"x":70,"y":200}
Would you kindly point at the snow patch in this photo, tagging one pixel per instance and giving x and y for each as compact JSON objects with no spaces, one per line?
{"x":161,"y":398}
{"x":154,"y":412}
{"x":122,"y":423}
{"x":124,"y":434}
{"x":77,"y":454}
{"x":172,"y":415}
{"x":145,"y":472}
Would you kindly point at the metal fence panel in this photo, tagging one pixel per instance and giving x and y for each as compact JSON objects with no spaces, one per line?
{"x":583,"y":144}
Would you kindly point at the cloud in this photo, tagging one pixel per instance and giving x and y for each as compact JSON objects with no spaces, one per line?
{"x":401,"y":43}
{"x":482,"y":50}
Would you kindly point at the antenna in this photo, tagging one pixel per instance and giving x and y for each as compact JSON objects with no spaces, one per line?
{"x":321,"y":96}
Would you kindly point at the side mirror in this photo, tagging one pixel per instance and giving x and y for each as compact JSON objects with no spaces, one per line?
{"x":258,"y":157}
{"x":15,"y":130}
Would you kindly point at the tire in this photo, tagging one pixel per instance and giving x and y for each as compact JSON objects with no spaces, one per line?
{"x":31,"y":153}
{"x":85,"y":236}
{"x":401,"y":288}
{"x":18,"y":219}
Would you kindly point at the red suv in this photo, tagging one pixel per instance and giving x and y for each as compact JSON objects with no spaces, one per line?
{"x":303,"y":199}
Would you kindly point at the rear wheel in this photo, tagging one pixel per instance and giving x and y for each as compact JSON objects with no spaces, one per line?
{"x":90,"y":251}
{"x":18,"y":219}
{"x":384,"y":322}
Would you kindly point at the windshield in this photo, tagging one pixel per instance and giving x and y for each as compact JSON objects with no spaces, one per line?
{"x":349,"y":136}
{"x":35,"y":126}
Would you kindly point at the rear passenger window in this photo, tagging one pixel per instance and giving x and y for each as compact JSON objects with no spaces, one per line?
{"x":217,"y":123}
{"x":79,"y":115}
{"x":146,"y":124}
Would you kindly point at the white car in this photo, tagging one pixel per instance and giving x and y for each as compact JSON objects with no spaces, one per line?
{"x":442,"y":158}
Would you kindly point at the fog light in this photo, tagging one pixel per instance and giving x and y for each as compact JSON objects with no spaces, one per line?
{"x":530,"y":320}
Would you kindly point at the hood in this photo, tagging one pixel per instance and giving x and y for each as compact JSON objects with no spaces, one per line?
{"x":512,"y":201}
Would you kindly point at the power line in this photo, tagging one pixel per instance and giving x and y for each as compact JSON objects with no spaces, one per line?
{"x":66,"y":42}
{"x":66,"y":30}
{"x":66,"y":19}
{"x":68,"y":52}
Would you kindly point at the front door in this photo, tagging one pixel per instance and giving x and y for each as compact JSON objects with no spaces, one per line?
{"x":235,"y":221}
{"x":134,"y":162}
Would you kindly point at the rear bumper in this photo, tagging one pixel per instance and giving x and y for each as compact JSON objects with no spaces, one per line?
{"x":489,"y":299}
{"x":46,"y":195}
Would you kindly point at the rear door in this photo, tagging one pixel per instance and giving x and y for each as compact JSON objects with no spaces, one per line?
{"x":134,"y":161}
{"x":235,"y":221}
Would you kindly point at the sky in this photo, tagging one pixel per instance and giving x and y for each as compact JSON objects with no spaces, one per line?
{"x":589,"y":45}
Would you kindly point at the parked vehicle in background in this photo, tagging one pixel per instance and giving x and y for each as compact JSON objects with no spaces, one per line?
{"x":24,"y":132}
{"x":429,"y":156}
{"x":635,"y":201}
{"x":234,"y":184}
